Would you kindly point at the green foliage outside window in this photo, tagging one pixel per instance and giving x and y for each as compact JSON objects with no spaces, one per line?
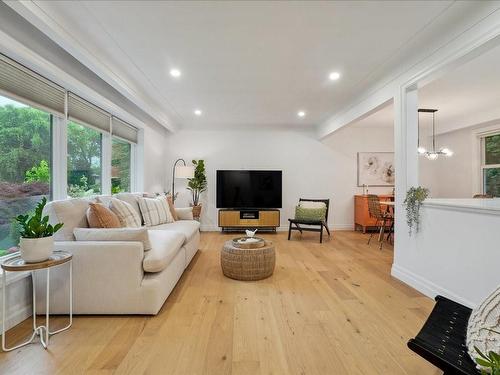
{"x":25,"y":144}
{"x":120,"y":166}
{"x":39,"y":173}
{"x":84,"y":160}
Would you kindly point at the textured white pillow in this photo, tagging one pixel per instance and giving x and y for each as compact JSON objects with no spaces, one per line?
{"x":306,"y":204}
{"x":114,"y":234}
{"x":484,"y":319}
{"x":155,"y":211}
{"x":126,"y":214}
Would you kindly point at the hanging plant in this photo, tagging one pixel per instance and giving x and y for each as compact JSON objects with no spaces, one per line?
{"x":414,"y":198}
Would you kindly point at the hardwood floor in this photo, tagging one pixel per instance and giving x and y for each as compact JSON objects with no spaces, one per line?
{"x":328,"y":309}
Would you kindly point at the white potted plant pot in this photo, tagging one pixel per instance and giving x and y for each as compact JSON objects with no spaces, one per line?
{"x":36,"y":249}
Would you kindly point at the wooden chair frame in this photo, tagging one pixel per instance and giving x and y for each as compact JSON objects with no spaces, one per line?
{"x":296,"y":224}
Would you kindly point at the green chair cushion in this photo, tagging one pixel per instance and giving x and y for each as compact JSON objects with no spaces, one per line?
{"x":310,"y":214}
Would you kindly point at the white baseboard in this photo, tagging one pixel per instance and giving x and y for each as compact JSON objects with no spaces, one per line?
{"x":283,"y":228}
{"x":425,"y":286}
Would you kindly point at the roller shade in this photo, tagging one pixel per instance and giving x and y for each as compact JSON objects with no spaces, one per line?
{"x":81,"y":111}
{"x":22,"y":83}
{"x":123,"y":130}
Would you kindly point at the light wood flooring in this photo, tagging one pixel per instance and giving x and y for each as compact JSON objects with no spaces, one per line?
{"x":328,"y":309}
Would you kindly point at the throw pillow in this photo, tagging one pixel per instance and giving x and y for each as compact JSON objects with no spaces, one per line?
{"x":155,"y":211}
{"x":307,"y":204}
{"x":99,"y":216}
{"x":114,"y":234}
{"x":171,"y":206}
{"x":484,"y":326}
{"x":310,"y":214}
{"x":126,"y":214}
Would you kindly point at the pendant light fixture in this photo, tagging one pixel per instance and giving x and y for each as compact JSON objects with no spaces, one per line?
{"x":432,"y":154}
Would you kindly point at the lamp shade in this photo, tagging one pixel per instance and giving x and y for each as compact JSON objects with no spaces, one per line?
{"x":184,"y":171}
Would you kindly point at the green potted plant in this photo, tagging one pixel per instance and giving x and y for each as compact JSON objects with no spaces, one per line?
{"x":414,"y":198}
{"x":490,"y":364}
{"x":197,"y":185}
{"x":37,"y":242}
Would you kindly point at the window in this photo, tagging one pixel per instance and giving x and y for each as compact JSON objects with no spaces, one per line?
{"x":121,"y":153}
{"x":490,"y":165}
{"x":84,"y":160}
{"x":25,"y":165}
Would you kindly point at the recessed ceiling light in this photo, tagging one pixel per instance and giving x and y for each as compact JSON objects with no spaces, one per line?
{"x":198,"y":112}
{"x":301,"y":113}
{"x":175,"y":73}
{"x":334,"y":76}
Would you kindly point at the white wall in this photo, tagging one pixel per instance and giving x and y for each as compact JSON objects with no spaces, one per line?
{"x":311,"y":169}
{"x":456,"y":254}
{"x":345,"y":144}
{"x":451,"y":177}
{"x":155,"y":157}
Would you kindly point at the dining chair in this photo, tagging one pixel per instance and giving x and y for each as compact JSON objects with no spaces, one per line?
{"x":382,"y":218}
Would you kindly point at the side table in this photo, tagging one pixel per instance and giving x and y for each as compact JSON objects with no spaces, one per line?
{"x":17,"y":264}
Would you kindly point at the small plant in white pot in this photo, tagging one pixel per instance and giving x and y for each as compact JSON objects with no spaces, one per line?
{"x":37,"y":241}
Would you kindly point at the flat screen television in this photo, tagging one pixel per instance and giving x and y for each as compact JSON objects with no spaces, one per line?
{"x":248,"y":189}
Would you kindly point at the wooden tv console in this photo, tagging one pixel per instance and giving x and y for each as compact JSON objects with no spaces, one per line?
{"x":235,"y":219}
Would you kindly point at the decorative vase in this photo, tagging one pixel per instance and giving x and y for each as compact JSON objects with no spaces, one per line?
{"x":196,"y":211}
{"x":36,"y":249}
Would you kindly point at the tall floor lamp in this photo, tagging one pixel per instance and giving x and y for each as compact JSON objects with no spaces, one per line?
{"x":181,"y":171}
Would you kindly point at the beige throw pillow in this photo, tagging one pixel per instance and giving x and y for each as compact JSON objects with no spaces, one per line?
{"x":126,"y":214}
{"x":155,"y":211}
{"x":308,"y":204}
{"x":99,"y":216}
{"x":484,"y":325}
{"x":114,"y":234}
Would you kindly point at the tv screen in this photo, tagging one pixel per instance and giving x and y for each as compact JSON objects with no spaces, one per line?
{"x":248,"y":189}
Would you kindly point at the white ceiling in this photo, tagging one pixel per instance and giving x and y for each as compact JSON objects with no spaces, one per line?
{"x":243,"y":63}
{"x":467,"y":96}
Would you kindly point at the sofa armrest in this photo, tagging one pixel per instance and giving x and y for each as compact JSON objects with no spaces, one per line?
{"x":107,"y":261}
{"x":184,"y":213}
{"x":105,"y":273}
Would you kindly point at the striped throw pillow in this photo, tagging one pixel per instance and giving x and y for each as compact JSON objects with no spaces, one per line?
{"x":155,"y":211}
{"x":126,"y":214}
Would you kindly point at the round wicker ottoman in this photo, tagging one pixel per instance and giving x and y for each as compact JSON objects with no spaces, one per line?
{"x":247,"y":264}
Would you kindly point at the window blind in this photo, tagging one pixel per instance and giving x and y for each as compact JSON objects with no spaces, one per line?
{"x":123,"y":130}
{"x":81,"y":111}
{"x":23,"y":83}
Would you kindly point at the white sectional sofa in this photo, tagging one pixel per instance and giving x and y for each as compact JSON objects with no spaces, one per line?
{"x":117,"y":277}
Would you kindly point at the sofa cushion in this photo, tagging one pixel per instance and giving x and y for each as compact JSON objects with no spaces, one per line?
{"x":187,"y":228}
{"x":71,"y":212}
{"x":126,"y":214}
{"x":131,"y":198}
{"x":164,"y":247}
{"x":100,"y":216}
{"x":155,"y":211}
{"x":104,"y":199}
{"x":184,"y":213}
{"x":114,"y":234}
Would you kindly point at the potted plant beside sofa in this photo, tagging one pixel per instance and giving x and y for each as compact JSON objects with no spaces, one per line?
{"x":197,"y":185}
{"x":36,"y":243}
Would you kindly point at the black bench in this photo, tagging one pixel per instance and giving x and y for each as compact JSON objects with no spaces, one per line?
{"x":441,"y":341}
